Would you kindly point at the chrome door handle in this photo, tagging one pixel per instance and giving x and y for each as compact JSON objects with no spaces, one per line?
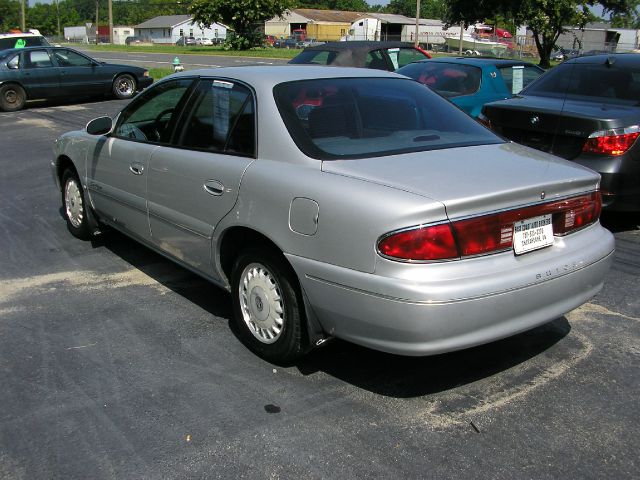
{"x":214,"y":187}
{"x":136,"y":168}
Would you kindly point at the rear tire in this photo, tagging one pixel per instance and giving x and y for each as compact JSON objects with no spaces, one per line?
{"x":73,"y":205}
{"x":124,"y":86}
{"x":12,"y":97}
{"x":267,"y":305}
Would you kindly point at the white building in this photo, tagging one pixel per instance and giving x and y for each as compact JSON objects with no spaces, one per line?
{"x":385,"y":26}
{"x":120,"y":34}
{"x":169,"y":28}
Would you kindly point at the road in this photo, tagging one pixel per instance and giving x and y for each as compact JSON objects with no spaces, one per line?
{"x":189,"y":61}
{"x":115,"y":363}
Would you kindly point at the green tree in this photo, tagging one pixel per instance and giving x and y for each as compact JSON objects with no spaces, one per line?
{"x":9,"y":15}
{"x":428,"y":8}
{"x":245,"y":17}
{"x":546,"y":19}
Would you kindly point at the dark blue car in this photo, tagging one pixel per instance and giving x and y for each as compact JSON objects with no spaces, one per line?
{"x":472,"y":82}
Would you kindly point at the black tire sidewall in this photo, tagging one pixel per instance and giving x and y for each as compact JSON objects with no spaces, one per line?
{"x":82,"y":232}
{"x":290,"y":344}
{"x":21,"y":94}
{"x":115,"y":90}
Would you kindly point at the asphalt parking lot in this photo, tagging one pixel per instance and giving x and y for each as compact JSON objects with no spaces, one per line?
{"x":115,"y":363}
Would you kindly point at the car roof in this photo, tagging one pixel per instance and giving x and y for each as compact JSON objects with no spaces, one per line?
{"x":270,"y":75}
{"x":626,"y":59}
{"x":363,"y":45}
{"x":479,"y":61}
{"x":26,"y":34}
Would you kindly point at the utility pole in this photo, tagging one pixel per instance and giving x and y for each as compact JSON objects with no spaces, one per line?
{"x":416,"y":42}
{"x":97,"y":23}
{"x":23,"y":26}
{"x":111,"y":21}
{"x":58,"y":15}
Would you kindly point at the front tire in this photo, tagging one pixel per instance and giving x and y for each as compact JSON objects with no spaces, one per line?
{"x":267,"y":304}
{"x":73,"y":205}
{"x":12,"y":97}
{"x":124,"y":86}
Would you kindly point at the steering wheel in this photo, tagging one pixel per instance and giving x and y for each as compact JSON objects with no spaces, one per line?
{"x":157,"y":122}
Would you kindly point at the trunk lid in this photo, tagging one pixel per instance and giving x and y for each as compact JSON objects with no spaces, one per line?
{"x":555,"y":125}
{"x":474,"y":180}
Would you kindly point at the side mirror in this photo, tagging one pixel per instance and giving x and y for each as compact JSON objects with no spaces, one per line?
{"x":99,"y":126}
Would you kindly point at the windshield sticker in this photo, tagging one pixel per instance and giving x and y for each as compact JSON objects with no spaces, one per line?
{"x":20,"y":43}
{"x":221,"y":96}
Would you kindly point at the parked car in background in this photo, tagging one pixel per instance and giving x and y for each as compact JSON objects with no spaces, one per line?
{"x":21,"y":40}
{"x":51,"y":72}
{"x":586,"y":110}
{"x":382,"y":215}
{"x":132,"y":40}
{"x":204,"y":41}
{"x":363,"y":54}
{"x":472,"y":82}
{"x":186,"y":41}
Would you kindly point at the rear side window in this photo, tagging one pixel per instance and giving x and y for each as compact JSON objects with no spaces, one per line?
{"x":315,"y":57}
{"x":448,"y":79}
{"x":220,"y":118}
{"x":340,"y":118}
{"x":21,"y":42}
{"x":36,"y":59}
{"x":517,"y":77}
{"x":590,"y":82}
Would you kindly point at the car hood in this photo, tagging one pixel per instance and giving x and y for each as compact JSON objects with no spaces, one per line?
{"x":474,"y":180}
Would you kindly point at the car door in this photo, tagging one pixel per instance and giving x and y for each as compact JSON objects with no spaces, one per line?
{"x":117,"y":169}
{"x":193,"y":185}
{"x":38,"y":74}
{"x":79,"y":74}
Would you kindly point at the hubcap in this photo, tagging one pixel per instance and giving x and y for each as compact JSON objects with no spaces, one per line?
{"x":124,"y":87}
{"x":261,"y":303}
{"x":73,"y":203}
{"x":11,"y":96}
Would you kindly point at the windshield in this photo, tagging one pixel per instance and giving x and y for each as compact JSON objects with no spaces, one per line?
{"x":21,"y":42}
{"x":336,"y":118}
{"x":448,"y":79}
{"x":589,"y":82}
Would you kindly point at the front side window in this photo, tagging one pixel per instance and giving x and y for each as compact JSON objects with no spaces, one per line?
{"x":517,"y":77}
{"x":340,"y":118}
{"x":151,"y":116}
{"x":220,"y":118}
{"x":69,"y":58}
{"x":404,"y":56}
{"x":316,"y":57}
{"x":448,"y":79}
{"x":375,"y":59}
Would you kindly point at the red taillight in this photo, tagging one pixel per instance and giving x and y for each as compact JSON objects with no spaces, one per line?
{"x":488,"y":233}
{"x":427,"y":243}
{"x":612,"y":142}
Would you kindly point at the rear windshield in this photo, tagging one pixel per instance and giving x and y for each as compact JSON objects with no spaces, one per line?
{"x":337,"y":118}
{"x":448,"y":79}
{"x":315,"y":57}
{"x":590,"y":82}
{"x":21,"y":42}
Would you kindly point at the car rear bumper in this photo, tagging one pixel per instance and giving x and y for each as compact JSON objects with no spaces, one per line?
{"x":429,"y":316}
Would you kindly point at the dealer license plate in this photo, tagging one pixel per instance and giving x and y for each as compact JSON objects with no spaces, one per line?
{"x":532,"y":234}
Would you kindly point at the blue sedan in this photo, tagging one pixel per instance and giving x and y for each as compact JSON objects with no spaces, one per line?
{"x":472,"y":82}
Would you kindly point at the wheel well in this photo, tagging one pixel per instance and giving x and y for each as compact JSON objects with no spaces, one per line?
{"x":237,"y":239}
{"x":18,"y":84}
{"x":64,"y":163}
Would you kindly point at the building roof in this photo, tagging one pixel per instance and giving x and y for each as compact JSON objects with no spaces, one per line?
{"x":337,"y":16}
{"x":395,"y":19}
{"x":165,"y":21}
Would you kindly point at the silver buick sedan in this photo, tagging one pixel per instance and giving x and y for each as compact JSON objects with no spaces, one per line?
{"x":344,"y":203}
